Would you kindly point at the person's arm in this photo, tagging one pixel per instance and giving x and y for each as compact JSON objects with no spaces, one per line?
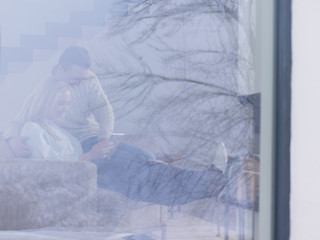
{"x":39,"y":142}
{"x":101,"y":108}
{"x":98,"y":151}
{"x":19,"y":147}
{"x":13,"y":129}
{"x":16,"y":141}
{"x":43,"y":146}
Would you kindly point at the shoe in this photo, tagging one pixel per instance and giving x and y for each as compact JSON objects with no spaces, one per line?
{"x":220,"y":159}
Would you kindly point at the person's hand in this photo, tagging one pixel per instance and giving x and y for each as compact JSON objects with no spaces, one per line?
{"x":100,"y":150}
{"x":107,"y":145}
{"x":19,"y":147}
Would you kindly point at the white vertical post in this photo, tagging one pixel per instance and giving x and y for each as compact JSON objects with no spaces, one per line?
{"x":265,"y":59}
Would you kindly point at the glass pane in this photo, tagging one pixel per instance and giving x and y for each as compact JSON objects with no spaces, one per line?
{"x":159,"y":101}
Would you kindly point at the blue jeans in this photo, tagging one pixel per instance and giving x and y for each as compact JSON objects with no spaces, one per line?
{"x":130,"y":172}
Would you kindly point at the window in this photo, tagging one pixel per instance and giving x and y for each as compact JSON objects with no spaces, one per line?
{"x":199,"y":84}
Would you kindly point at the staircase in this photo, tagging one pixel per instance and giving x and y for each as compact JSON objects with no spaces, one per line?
{"x":30,"y":45}
{"x":39,"y":47}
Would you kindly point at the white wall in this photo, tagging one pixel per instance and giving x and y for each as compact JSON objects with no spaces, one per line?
{"x":305,"y":146}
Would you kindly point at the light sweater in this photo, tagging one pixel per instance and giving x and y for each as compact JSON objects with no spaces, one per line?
{"x":90,"y":113}
{"x":50,"y":142}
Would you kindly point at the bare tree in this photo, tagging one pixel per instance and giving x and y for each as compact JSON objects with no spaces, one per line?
{"x":174,"y":70}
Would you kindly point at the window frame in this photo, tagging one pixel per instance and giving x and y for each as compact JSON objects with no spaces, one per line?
{"x":273,"y":48}
{"x":282,"y":119}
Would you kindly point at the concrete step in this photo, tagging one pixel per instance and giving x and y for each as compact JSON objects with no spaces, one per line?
{"x":53,"y":31}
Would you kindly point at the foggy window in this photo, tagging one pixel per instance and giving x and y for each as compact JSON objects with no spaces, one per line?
{"x":171,"y":83}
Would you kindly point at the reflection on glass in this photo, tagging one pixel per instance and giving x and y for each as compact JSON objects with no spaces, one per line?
{"x":146,"y":129}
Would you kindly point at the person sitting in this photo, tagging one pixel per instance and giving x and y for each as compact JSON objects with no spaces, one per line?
{"x":129,"y":170}
{"x":45,"y":138}
{"x":90,"y":118}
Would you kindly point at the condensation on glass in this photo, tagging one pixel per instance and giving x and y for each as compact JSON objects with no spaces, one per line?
{"x":189,"y":85}
{"x":180,"y":76}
